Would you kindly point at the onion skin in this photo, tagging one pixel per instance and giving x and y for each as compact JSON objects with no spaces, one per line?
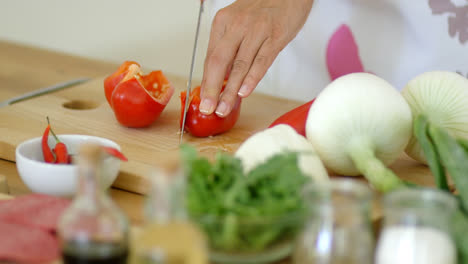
{"x":442,"y":97}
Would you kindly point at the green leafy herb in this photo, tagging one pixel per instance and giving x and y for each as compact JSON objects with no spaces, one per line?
{"x":245,"y":212}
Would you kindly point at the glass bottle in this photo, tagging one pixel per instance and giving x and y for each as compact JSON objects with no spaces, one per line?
{"x":338,"y":229}
{"x":93,"y":229}
{"x":168,"y":237}
{"x":416,"y":228}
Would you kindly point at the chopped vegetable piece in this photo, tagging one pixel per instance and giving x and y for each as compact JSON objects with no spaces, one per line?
{"x":137,"y":99}
{"x":201,"y":125}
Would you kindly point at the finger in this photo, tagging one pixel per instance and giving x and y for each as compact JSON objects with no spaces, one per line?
{"x":263,"y":60}
{"x":218,"y":29}
{"x":216,"y":67}
{"x":239,"y":69}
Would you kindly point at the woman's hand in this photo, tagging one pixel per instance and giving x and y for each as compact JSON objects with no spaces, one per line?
{"x":244,"y":41}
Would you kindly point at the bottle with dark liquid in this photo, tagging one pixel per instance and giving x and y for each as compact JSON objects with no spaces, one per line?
{"x":93,"y":230}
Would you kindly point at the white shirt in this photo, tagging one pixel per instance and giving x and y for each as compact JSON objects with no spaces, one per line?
{"x":396,"y":39}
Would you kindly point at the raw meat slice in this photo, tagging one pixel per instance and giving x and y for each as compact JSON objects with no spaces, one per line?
{"x":23,"y":244}
{"x":35,"y":210}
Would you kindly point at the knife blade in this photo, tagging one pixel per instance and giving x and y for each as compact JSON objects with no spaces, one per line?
{"x":42,"y":91}
{"x":189,"y":83}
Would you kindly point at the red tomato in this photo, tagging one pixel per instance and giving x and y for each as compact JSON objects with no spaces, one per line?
{"x":200,"y":125}
{"x":111,"y":81}
{"x":137,"y":100}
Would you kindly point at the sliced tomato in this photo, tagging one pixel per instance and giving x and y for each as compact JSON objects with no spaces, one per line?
{"x":201,"y":125}
{"x":137,"y":99}
{"x":115,"y":78}
{"x":296,"y":118}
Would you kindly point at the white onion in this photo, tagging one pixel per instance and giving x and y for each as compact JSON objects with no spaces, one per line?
{"x":358,"y":124}
{"x":442,"y":97}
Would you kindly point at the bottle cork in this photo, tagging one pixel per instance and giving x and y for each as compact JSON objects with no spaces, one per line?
{"x":91,"y":153}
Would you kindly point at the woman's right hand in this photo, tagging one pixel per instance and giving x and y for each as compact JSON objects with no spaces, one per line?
{"x":245,"y":39}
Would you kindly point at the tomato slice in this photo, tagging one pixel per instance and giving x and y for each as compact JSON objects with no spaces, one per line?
{"x":126,"y":69}
{"x":137,"y":99}
{"x":201,"y":125}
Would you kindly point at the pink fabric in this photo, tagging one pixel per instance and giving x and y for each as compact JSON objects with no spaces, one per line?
{"x":343,"y":54}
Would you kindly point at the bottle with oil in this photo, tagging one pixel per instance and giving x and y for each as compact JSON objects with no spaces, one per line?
{"x":93,"y":230}
{"x":167,"y":236}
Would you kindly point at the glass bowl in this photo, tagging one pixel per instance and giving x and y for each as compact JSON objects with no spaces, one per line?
{"x":234,"y":239}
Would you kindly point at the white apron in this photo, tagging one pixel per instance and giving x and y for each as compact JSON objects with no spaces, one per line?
{"x":396,"y":40}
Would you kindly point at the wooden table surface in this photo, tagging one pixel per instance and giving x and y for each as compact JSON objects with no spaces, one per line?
{"x":25,"y":68}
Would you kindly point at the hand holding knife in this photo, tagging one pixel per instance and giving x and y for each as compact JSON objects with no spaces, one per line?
{"x":189,"y":83}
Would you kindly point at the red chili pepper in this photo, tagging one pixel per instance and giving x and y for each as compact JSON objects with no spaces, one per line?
{"x":296,"y":118}
{"x":115,"y":152}
{"x":46,"y":152}
{"x":61,"y":153}
{"x":60,"y":149}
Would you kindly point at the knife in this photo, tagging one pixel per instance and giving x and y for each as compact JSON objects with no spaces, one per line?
{"x":42,"y":91}
{"x":189,"y":83}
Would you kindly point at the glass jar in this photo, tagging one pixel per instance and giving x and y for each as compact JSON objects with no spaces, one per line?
{"x":167,"y":237}
{"x":93,"y":229}
{"x":338,"y":229}
{"x":416,"y":228}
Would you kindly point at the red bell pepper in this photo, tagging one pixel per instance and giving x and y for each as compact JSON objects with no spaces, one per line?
{"x":115,"y":78}
{"x":201,"y":125}
{"x":137,"y":99}
{"x":296,"y":118}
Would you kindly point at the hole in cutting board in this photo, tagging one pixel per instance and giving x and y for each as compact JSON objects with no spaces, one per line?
{"x":80,"y":105}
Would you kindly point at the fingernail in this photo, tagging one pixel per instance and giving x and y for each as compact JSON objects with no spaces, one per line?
{"x":222,"y":109}
{"x":206,"y":106}
{"x":243,"y":90}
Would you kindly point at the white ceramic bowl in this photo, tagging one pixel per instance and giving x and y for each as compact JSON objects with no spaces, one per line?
{"x":60,"y":179}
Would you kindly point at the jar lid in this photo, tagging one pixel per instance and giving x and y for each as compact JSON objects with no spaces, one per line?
{"x":421,"y":198}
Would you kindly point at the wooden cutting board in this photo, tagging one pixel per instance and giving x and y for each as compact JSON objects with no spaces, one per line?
{"x":83,"y":109}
